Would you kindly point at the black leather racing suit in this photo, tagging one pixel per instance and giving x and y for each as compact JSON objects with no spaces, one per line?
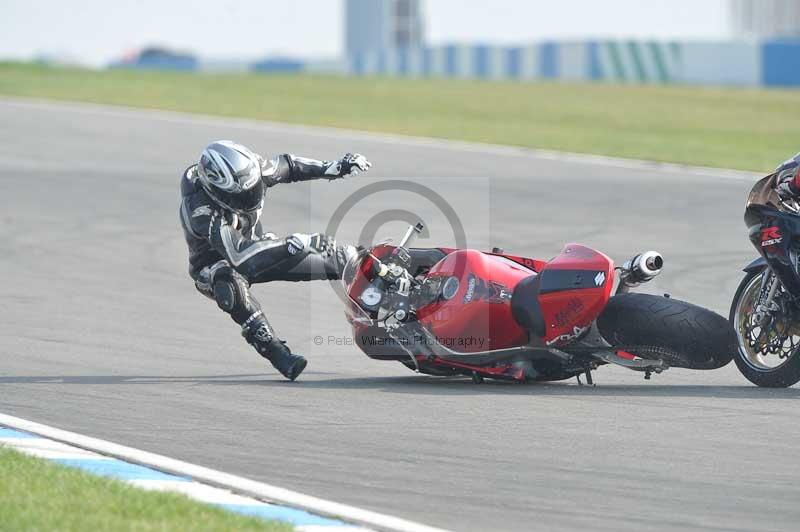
{"x":227,"y":253}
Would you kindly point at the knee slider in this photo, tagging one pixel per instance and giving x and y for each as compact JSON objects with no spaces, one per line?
{"x":225,"y":295}
{"x":230,"y":291}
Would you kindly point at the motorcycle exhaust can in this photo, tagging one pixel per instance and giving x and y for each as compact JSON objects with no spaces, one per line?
{"x":641,"y":268}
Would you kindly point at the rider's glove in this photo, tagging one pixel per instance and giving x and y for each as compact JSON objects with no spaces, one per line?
{"x":350,"y":165}
{"x":785,"y":190}
{"x":788,"y":179}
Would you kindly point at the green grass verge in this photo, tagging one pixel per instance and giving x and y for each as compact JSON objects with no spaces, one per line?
{"x":37,"y":495}
{"x":731,"y":128}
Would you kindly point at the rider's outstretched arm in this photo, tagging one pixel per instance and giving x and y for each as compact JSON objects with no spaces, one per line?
{"x":288,"y":168}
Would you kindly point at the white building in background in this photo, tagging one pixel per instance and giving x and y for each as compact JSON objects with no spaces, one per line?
{"x":766,"y":18}
{"x":372,"y":25}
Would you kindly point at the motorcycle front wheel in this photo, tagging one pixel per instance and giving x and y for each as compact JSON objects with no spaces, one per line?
{"x":768,"y":353}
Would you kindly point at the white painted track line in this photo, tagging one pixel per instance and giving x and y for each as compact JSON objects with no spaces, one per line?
{"x":200,"y":492}
{"x":51,"y":450}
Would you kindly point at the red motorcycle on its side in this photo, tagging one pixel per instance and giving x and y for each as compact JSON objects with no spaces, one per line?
{"x":501,"y":316}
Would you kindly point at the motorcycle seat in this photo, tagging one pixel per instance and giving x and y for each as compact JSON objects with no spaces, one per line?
{"x":525,"y":305}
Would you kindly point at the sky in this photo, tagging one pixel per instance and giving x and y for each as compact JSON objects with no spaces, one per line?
{"x":97,"y":31}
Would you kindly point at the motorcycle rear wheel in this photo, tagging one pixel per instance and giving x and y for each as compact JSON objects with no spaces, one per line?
{"x":753,"y":363}
{"x":700,"y":338}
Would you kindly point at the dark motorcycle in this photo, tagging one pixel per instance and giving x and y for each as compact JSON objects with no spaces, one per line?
{"x":765,"y":312}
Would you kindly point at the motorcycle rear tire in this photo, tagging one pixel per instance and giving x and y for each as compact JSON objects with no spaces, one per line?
{"x":700,"y":338}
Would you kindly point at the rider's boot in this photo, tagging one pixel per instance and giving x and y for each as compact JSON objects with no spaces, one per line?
{"x":275,"y":350}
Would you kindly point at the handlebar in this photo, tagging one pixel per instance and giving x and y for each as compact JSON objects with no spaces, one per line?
{"x":412,"y":231}
{"x":399,"y":271}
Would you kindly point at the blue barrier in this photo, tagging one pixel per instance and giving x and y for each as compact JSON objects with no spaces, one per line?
{"x":278,"y":66}
{"x":595,"y":70}
{"x":514,"y":63}
{"x":482,"y":59}
{"x":770,"y":63}
{"x":549,"y":60}
{"x":451,"y":60}
{"x":745,"y":63}
{"x":780,"y":63}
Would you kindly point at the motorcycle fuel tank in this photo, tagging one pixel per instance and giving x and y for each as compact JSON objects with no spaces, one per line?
{"x":473,"y":311}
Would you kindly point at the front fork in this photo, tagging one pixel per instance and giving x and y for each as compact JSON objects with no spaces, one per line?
{"x":766,"y":305}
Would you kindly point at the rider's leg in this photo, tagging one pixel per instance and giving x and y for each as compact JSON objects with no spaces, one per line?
{"x":231,"y":292}
{"x":312,"y":257}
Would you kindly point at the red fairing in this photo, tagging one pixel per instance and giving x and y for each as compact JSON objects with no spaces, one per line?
{"x":575,"y":288}
{"x":478,"y":316}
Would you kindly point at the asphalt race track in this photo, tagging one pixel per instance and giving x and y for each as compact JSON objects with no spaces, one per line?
{"x":102,"y":333}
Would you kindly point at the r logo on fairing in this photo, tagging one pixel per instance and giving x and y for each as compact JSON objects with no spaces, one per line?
{"x":771,"y":236}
